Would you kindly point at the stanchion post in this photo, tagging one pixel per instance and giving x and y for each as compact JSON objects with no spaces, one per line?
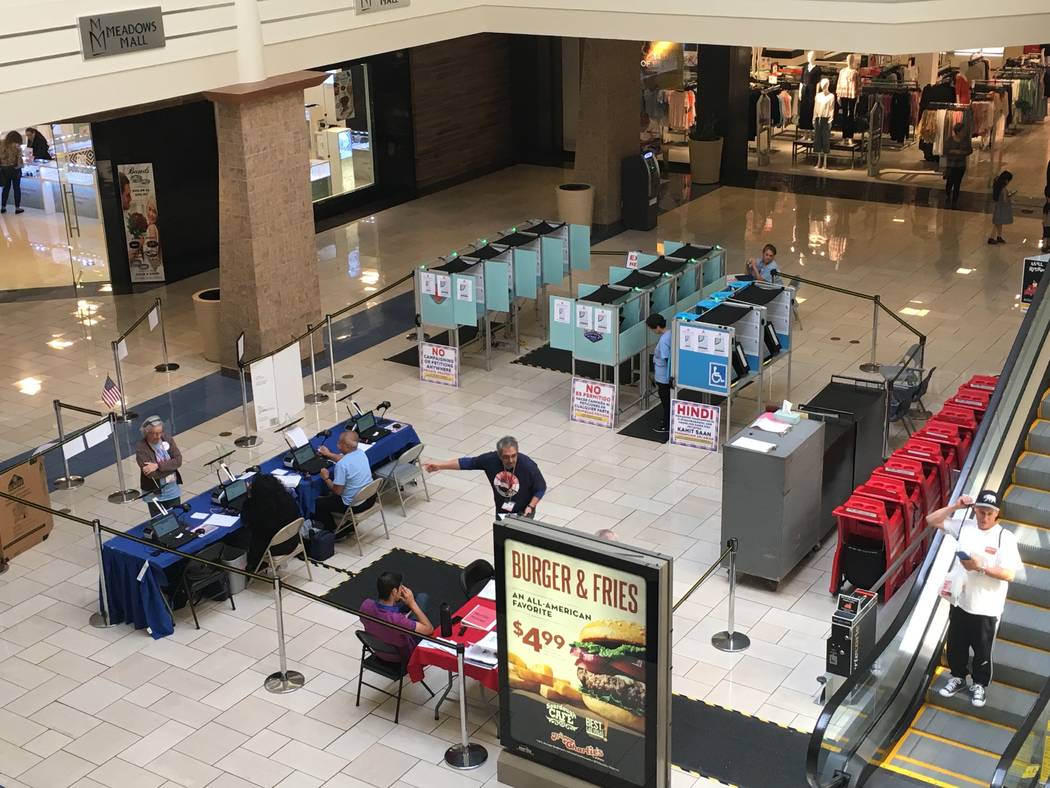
{"x":247,"y":439}
{"x":730,"y":640}
{"x":874,"y":327}
{"x":125,"y":414}
{"x":68,"y":481}
{"x":313,"y":397}
{"x":334,"y":385}
{"x":284,"y":680}
{"x":100,"y":620}
{"x":124,"y":494}
{"x":465,"y":755}
{"x":166,"y":366}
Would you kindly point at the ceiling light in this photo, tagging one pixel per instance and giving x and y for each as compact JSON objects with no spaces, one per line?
{"x":899,"y":221}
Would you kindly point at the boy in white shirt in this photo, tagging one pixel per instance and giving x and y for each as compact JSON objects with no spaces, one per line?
{"x":988,"y":554}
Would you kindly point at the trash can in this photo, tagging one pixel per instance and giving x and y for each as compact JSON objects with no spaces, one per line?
{"x":576,"y":203}
{"x":238,"y":559}
{"x":206,"y":307}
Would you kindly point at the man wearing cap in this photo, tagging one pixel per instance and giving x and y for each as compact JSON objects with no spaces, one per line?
{"x":159,"y":460}
{"x":986,"y":562}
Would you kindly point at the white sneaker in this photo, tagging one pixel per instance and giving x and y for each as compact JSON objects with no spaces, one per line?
{"x":953,"y":686}
{"x":977,"y":695}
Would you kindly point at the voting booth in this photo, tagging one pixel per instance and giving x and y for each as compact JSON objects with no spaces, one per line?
{"x":480,"y":288}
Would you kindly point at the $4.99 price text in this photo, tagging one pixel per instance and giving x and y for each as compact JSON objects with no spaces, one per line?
{"x":537,"y":638}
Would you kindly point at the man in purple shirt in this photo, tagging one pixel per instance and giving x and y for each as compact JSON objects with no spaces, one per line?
{"x":399,"y":606}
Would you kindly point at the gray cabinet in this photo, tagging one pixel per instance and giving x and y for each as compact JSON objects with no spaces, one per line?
{"x":771,"y":501}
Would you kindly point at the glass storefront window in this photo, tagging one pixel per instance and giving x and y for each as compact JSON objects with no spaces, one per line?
{"x":339,"y":130}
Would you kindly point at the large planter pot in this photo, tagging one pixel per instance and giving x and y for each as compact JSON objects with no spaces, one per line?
{"x":576,"y":203}
{"x":206,"y":307}
{"x":705,"y":160}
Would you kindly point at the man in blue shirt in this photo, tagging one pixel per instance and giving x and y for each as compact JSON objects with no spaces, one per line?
{"x":765,"y":269}
{"x":517,"y":484}
{"x":351,"y":473}
{"x":662,"y":368}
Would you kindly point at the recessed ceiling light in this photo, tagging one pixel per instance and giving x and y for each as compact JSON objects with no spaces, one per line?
{"x":899,"y":221}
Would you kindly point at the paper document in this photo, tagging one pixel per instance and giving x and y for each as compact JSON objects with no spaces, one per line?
{"x":72,"y":448}
{"x":278,"y":472}
{"x":290,"y":480}
{"x":122,"y":349}
{"x":364,"y":446}
{"x":484,"y":652}
{"x":153,"y":318}
{"x":204,"y":530}
{"x":489,"y":591}
{"x":436,"y":647}
{"x":296,"y":437}
{"x":769,"y":424}
{"x":222,"y":520}
{"x":98,"y":434}
{"x":246,"y":475}
{"x":199,"y":516}
{"x":753,"y":445}
{"x":480,"y":617}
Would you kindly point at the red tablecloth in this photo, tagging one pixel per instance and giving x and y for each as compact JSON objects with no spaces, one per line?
{"x":423,"y":656}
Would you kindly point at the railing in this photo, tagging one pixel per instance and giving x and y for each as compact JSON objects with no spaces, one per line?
{"x":119,"y":347}
{"x":864,"y":714}
{"x":728,"y":639}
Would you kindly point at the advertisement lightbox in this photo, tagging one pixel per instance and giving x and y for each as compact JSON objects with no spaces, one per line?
{"x":584,"y":654}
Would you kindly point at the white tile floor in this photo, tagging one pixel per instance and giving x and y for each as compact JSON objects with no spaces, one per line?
{"x":111,"y":707}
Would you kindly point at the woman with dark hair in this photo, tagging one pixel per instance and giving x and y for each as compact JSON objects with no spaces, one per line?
{"x":38,"y":144}
{"x":269,"y":508}
{"x":1003,"y":211}
{"x":11,"y":170}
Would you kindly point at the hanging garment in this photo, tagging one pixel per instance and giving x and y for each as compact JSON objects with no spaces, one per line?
{"x":962,"y":89}
{"x":807,"y":92}
{"x":848,"y":84}
{"x":900,"y":117}
{"x":848,"y":116}
{"x":928,"y":126}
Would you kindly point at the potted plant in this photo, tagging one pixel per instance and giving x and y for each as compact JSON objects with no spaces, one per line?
{"x":705,"y":150}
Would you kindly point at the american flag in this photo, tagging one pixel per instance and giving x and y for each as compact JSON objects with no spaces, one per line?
{"x":110,"y":393}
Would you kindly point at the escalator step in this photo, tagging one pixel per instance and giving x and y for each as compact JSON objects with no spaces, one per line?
{"x":1032,"y":585}
{"x":1006,"y":705}
{"x":1039,"y":437}
{"x":944,"y":760}
{"x":1021,"y":666}
{"x":963,"y":728}
{"x":1027,"y":505}
{"x":885,"y":778}
{"x":1033,"y":470}
{"x":1032,"y":542}
{"x":1044,"y":406}
{"x":1027,"y":624}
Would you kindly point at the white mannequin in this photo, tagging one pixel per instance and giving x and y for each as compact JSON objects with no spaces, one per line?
{"x":823,"y":115}
{"x":847,"y":90}
{"x":811,"y":58}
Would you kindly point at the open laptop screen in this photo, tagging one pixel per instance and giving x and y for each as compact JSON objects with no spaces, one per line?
{"x":304,"y":454}
{"x":366,"y":421}
{"x":165,"y":524}
{"x":238,"y":488}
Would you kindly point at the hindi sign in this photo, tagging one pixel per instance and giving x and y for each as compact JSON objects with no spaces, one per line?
{"x":695,"y":425}
{"x":593,"y":402}
{"x":439,"y":364}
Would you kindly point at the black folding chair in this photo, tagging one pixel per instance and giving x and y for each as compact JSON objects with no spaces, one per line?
{"x":474,"y":576}
{"x":901,"y":400}
{"x":381,"y":658}
{"x":198,"y":577}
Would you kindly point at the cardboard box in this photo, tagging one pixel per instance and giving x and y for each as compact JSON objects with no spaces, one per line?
{"x":22,"y":526}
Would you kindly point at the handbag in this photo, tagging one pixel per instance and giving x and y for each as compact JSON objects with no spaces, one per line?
{"x":954,"y":581}
{"x":321,"y":544}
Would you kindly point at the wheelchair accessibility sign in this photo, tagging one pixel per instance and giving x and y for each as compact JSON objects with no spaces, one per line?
{"x":717,"y":375}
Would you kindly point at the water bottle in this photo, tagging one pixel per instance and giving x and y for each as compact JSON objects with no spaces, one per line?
{"x":446,"y":620}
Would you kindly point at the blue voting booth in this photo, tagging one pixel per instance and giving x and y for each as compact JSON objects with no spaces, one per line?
{"x":484,"y":286}
{"x":605,"y":324}
{"x":732,"y":338}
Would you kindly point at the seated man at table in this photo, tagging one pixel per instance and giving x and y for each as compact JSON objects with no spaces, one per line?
{"x":352,"y":472}
{"x":397,"y":604}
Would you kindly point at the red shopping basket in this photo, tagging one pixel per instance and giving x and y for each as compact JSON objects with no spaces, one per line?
{"x":870,"y":538}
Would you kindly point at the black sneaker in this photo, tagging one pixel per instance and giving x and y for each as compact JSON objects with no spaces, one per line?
{"x":1000,"y":240}
{"x":660,"y":429}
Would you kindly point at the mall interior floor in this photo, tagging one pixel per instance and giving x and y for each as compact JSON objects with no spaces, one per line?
{"x":88,"y":707}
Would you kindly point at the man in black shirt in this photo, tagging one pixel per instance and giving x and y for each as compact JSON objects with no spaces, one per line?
{"x":517,"y":484}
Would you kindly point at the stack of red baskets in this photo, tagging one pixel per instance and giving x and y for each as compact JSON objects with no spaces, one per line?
{"x":886,"y":514}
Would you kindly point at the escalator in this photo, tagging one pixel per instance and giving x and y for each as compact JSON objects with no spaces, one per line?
{"x":888,"y":725}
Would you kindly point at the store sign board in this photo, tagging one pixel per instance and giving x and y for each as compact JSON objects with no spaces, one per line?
{"x":1031,"y":274}
{"x":121,"y":32}
{"x":583,"y":637}
{"x":593,"y":402}
{"x":368,"y":6}
{"x":439,"y":364}
{"x":695,"y":425}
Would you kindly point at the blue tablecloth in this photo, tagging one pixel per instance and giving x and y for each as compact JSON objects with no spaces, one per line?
{"x":140,"y":601}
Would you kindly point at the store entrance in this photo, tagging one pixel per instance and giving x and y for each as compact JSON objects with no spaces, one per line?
{"x":56,"y":247}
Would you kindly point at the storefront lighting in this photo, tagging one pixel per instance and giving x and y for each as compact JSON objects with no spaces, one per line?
{"x":370,"y":277}
{"x":29,"y":386}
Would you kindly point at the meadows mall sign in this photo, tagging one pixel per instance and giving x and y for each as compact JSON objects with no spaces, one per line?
{"x":121,"y":32}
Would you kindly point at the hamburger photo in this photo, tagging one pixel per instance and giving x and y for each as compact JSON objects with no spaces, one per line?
{"x":610,"y":664}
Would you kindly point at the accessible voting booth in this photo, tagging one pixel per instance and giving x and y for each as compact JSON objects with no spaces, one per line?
{"x":605,"y":324}
{"x":479,"y":288}
{"x":732,"y":338}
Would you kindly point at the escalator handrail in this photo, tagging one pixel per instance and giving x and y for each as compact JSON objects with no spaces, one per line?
{"x":849,"y":686}
{"x":1002,"y":769}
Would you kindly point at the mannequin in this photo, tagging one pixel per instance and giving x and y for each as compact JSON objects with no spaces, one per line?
{"x":807,"y":91}
{"x":847,"y":89}
{"x":823,"y":113}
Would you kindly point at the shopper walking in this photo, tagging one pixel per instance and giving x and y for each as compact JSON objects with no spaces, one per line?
{"x":11,"y":170}
{"x":1046,"y":219}
{"x":517,"y":484}
{"x":662,"y":368}
{"x":1003,"y":210}
{"x":985,"y":564}
{"x":957,"y":149}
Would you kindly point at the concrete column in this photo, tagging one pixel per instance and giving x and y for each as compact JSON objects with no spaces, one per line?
{"x":724,"y":94}
{"x":250,"y":64}
{"x":267,"y":260}
{"x":607,"y":128}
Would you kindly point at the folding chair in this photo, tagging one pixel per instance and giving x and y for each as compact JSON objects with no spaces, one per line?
{"x":354,"y":520}
{"x":794,"y":304}
{"x":275,"y":561}
{"x":383,"y":659}
{"x":901,"y":400}
{"x":197,"y":577}
{"x":474,"y":576}
{"x":401,"y":472}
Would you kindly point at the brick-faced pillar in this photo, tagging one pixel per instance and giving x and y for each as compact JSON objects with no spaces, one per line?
{"x":267,"y":260}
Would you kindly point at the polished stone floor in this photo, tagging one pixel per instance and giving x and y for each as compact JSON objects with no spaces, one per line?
{"x":89,"y":707}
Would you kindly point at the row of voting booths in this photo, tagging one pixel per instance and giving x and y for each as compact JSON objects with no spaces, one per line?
{"x":478,"y":294}
{"x":605,"y":324}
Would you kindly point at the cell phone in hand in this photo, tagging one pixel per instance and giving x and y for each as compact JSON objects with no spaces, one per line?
{"x":962,"y":555}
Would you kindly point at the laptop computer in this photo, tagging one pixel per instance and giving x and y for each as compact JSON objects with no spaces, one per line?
{"x":234,"y":495}
{"x":367,"y":429}
{"x":307,"y":460}
{"x":166,"y":530}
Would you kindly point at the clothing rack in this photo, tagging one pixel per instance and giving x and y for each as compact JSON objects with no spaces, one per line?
{"x":876,"y":87}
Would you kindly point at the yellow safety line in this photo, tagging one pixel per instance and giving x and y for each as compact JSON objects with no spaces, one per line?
{"x":969,"y":717}
{"x":916,"y":776}
{"x":1022,"y":522}
{"x":900,"y":741}
{"x":939,"y":770}
{"x":950,"y":743}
